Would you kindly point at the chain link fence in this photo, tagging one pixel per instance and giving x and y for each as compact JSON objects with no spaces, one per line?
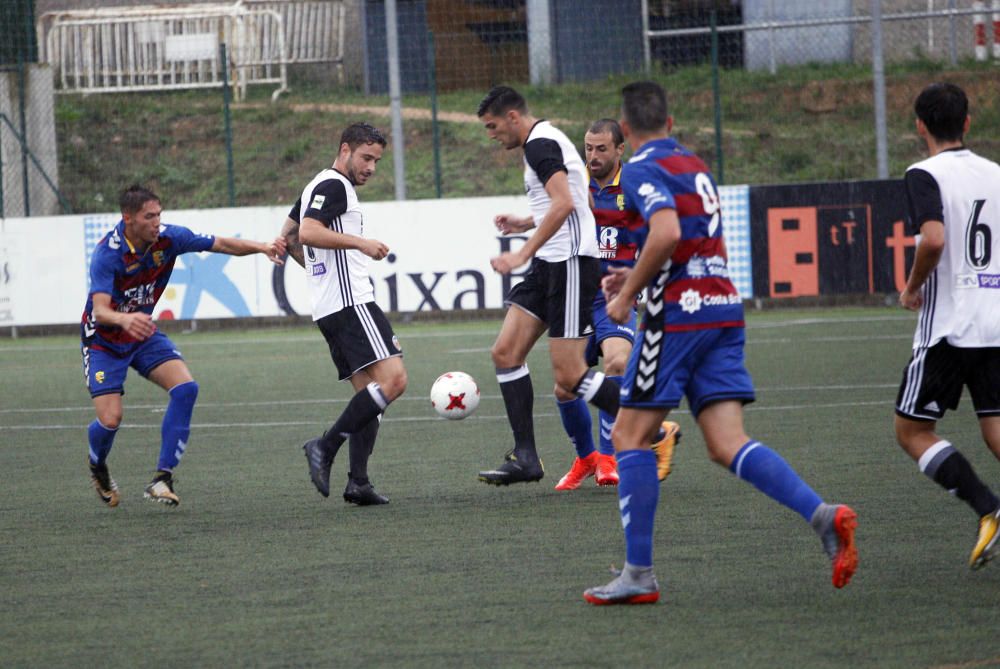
{"x":240,"y":103}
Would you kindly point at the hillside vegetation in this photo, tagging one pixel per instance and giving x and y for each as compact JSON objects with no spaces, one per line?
{"x":810,"y":123}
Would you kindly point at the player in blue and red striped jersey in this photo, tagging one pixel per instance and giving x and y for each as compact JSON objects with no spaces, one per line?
{"x":691,"y":344}
{"x":620,"y":231}
{"x":129,"y":270}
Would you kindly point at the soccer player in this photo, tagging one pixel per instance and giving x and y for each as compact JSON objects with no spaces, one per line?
{"x":954,"y":205}
{"x":691,"y":345}
{"x":559,"y":288}
{"x":619,"y":232}
{"x":129,"y":269}
{"x":327,"y":219}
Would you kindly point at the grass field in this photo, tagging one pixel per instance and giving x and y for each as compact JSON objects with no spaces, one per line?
{"x":256,"y":569}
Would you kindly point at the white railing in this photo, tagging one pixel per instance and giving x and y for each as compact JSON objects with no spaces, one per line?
{"x":314,"y":29}
{"x":158,"y":48}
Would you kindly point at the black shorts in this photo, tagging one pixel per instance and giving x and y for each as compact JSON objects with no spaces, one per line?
{"x":358,"y":336}
{"x":934,"y":377}
{"x":560,"y":294}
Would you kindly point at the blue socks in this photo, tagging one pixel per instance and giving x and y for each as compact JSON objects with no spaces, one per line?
{"x":576,"y":420}
{"x":101,"y":439}
{"x":638,"y":493}
{"x":607,"y":422}
{"x":177,"y":425}
{"x":768,"y":472}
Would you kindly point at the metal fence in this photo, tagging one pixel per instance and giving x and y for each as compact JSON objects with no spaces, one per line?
{"x":767,"y":90}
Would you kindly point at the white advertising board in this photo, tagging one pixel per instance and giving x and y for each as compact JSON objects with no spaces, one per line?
{"x":439,"y":260}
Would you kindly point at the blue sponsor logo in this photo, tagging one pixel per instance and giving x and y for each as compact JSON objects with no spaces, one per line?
{"x":989,"y":280}
{"x":319,"y":268}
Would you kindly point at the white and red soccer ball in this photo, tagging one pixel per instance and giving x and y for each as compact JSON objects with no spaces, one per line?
{"x":454,"y":395}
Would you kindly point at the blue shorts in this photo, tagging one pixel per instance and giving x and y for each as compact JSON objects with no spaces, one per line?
{"x":704,"y":365}
{"x":605,"y":328}
{"x":104,"y":372}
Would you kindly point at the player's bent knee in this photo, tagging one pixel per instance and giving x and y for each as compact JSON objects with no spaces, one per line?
{"x":186,"y":393}
{"x":110,"y":420}
{"x":394,"y":386}
{"x":563,"y":395}
{"x":615,"y":366}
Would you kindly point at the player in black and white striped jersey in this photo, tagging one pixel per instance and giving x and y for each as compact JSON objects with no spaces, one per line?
{"x":325,"y":232}
{"x":954,"y":205}
{"x":558,"y":290}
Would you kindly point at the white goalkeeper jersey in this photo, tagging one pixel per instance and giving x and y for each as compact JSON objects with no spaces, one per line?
{"x":962,"y":295}
{"x":547,"y":151}
{"x":338,"y":278}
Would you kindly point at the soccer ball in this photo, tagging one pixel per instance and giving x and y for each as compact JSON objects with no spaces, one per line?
{"x":454,"y":395}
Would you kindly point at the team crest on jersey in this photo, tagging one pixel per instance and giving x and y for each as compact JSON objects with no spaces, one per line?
{"x":620,"y":201}
{"x":395,"y":342}
{"x":133,"y":267}
{"x":99,"y":377}
{"x":157,"y":258}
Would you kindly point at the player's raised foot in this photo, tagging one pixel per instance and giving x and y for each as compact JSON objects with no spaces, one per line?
{"x":835,"y":524}
{"x":514,"y":470}
{"x":607,"y":470}
{"x":161,"y":489}
{"x":362,"y":494}
{"x":105,"y":486}
{"x":666,"y":439}
{"x":320,"y":462}
{"x":986,"y":542}
{"x":582,"y":469}
{"x":632,"y":586}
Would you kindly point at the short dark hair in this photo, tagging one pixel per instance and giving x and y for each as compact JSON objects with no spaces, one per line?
{"x":943,"y":108}
{"x":133,"y":198}
{"x":500,"y":100}
{"x":357,"y":134}
{"x":608,"y":125}
{"x":644,"y":106}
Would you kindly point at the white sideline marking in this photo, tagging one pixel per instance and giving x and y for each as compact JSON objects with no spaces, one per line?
{"x":466,"y":333}
{"x":424,"y":419}
{"x":159,"y":408}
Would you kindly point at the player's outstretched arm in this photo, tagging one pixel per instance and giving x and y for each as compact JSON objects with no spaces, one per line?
{"x":664,"y":234}
{"x":274,"y":250}
{"x":290,"y":233}
{"x":560,"y":207}
{"x":314,"y":233}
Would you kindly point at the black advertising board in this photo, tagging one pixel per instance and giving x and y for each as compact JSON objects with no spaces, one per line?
{"x":829,"y":239}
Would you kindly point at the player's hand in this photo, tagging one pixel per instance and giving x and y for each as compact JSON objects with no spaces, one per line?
{"x":508,"y":224}
{"x":619,"y":309}
{"x":374,"y":249}
{"x":138,"y":325}
{"x":614,"y":281}
{"x":911,"y":300}
{"x":275,"y":250}
{"x":507,"y":262}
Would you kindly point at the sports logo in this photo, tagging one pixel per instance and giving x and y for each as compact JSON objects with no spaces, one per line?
{"x":157,"y":258}
{"x":318,"y":269}
{"x":395,"y":342}
{"x":99,"y":377}
{"x":650,"y":195}
{"x":317,"y":202}
{"x":690,"y":301}
{"x":989,"y":280}
{"x":608,"y":243}
{"x":620,"y":201}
